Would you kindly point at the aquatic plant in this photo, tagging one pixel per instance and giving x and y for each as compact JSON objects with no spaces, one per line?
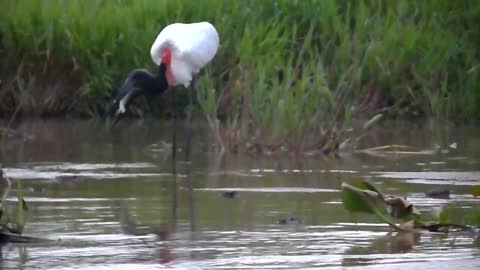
{"x":365,"y":197}
{"x":11,"y":229}
{"x":473,"y":218}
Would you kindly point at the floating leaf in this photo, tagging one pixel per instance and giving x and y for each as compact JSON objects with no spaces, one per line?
{"x":359,"y":199}
{"x":364,"y":200}
{"x":365,"y":197}
{"x":395,"y":206}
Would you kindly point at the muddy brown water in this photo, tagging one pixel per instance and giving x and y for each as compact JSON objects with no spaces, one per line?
{"x":75,"y":174}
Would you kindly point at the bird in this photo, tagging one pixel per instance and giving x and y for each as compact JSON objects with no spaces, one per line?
{"x":180,"y":51}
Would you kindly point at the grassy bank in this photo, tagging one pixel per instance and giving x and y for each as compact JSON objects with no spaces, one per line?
{"x":283,"y":67}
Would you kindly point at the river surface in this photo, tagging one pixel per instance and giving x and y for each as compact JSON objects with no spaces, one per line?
{"x":82,"y":182}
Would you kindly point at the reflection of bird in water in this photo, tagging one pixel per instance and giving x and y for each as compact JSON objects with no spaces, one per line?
{"x":130,"y":227}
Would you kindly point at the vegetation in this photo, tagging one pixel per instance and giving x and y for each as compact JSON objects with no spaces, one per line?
{"x":287,"y":71}
{"x":365,"y":197}
{"x":11,"y":229}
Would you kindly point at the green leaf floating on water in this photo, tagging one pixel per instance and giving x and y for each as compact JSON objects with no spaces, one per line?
{"x":358,"y":198}
{"x":365,"y":197}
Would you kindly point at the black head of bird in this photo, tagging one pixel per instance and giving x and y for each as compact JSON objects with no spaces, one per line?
{"x":139,"y":82}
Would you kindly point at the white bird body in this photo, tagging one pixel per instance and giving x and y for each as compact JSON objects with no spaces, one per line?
{"x":180,"y":51}
{"x":192,"y":46}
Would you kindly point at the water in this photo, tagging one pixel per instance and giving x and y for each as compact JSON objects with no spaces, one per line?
{"x":75,"y":174}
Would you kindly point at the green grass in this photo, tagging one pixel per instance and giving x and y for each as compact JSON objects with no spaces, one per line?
{"x":286,"y":69}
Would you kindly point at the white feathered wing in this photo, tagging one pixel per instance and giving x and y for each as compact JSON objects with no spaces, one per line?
{"x":192,"y":45}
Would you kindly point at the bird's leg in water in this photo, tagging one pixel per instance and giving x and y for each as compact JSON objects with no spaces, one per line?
{"x":174,"y":159}
{"x":174,"y":134}
{"x":188,"y":147}
{"x":188,"y":152}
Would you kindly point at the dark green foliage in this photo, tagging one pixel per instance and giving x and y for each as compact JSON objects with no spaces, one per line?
{"x":286,"y":64}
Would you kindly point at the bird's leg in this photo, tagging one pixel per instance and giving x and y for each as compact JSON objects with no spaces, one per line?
{"x":174,"y":132}
{"x":188,"y":150}
{"x":188,"y":146}
{"x":174,"y":158}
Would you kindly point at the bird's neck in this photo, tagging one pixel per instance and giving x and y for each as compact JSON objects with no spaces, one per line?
{"x":167,"y":61}
{"x":168,"y":74}
{"x":161,"y":76}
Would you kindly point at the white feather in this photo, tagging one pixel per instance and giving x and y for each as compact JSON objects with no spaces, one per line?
{"x":192,"y":45}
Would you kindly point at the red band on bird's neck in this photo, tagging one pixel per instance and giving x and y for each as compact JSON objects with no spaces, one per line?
{"x":167,"y":60}
{"x":166,"y":56}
